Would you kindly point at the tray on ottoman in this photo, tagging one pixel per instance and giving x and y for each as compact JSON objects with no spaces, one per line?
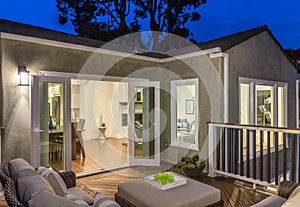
{"x":178,"y":180}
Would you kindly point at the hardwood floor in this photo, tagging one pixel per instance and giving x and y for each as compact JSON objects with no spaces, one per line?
{"x":88,"y":164}
{"x":111,"y":147}
{"x":233,"y":193}
{"x":84,"y":164}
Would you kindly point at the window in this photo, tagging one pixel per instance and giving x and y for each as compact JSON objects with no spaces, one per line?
{"x":263,"y":103}
{"x":184,"y":113}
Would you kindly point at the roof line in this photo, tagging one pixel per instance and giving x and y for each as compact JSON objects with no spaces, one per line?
{"x":67,"y":45}
{"x":231,"y":40}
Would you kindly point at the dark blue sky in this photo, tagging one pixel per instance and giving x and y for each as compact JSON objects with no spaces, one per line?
{"x":219,"y":17}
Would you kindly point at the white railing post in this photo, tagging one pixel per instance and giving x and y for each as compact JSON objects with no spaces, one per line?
{"x":211,"y":150}
{"x":297,"y":158}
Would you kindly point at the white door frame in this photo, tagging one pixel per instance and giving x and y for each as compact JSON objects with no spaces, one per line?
{"x":130,"y":81}
{"x":156,"y":124}
{"x":253,"y":83}
{"x":35,"y":118}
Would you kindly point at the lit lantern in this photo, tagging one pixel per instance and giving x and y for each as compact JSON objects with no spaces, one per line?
{"x":24,"y":76}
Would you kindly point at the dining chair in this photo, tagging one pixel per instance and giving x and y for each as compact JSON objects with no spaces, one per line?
{"x":79,"y":131}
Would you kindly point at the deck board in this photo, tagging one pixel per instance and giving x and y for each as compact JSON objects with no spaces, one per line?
{"x":232,"y":192}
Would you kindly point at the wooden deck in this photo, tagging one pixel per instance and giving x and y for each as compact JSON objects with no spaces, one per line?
{"x":233,"y":193}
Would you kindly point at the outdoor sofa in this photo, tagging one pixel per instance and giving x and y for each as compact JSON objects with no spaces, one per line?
{"x":288,"y":195}
{"x":45,"y":187}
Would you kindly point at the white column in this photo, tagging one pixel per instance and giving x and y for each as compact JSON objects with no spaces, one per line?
{"x":211,"y":150}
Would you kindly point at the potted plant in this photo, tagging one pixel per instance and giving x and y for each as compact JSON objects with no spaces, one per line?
{"x":191,"y":166}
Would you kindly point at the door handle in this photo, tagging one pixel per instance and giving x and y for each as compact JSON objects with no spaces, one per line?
{"x":38,"y":130}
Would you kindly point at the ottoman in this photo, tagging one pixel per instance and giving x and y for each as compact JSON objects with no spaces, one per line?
{"x":192,"y":194}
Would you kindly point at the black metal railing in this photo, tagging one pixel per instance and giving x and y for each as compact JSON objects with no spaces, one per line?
{"x":262,"y":155}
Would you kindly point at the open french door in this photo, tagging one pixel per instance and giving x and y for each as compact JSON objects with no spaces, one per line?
{"x":144,"y":127}
{"x":50,"y":143}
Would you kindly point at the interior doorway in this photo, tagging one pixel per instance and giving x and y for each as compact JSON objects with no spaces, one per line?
{"x":98,"y":116}
{"x":103,"y":107}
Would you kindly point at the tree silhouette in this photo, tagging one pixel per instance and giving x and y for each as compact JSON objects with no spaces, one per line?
{"x":98,"y":19}
{"x":108,"y":19}
{"x":294,"y":56}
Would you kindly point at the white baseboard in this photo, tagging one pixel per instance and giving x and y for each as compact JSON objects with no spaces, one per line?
{"x":113,"y":135}
{"x":91,"y":137}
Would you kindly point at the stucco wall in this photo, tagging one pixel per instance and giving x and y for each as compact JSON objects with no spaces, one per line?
{"x":260,"y":58}
{"x":16,"y":141}
{"x":210,"y":99}
{"x":16,"y":106}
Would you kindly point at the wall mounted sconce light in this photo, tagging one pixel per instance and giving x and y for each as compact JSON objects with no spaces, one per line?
{"x":24,"y":75}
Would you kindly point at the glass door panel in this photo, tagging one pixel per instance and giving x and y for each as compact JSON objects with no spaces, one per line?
{"x":144,"y":124}
{"x":244,"y":109}
{"x":50,"y":122}
{"x":264,"y":105}
{"x":281,"y":112}
{"x":244,"y":103}
{"x":52,"y":118}
{"x":281,"y":107}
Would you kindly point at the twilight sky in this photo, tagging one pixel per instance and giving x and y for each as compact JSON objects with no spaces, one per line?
{"x":219,"y":17}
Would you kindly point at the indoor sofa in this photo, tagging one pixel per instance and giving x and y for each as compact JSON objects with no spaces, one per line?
{"x":45,"y":187}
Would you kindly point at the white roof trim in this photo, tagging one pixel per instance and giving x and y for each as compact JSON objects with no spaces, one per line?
{"x":53,"y":43}
{"x":193,"y":54}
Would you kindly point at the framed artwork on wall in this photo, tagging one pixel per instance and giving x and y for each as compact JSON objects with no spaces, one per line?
{"x":189,"y":106}
{"x":124,"y":118}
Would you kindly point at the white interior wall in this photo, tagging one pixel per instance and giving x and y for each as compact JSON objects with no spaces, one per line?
{"x":185,"y":92}
{"x":102,"y":102}
{"x":87,"y":112}
{"x":110,"y":98}
{"x":119,"y":95}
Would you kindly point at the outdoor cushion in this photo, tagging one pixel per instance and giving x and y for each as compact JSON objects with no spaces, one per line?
{"x":294,"y":199}
{"x":30,"y":186}
{"x":274,"y":201}
{"x":103,"y":201}
{"x":10,"y":192}
{"x":47,"y":199}
{"x":76,"y":200}
{"x":81,"y":194}
{"x":54,"y":180}
{"x":19,"y":167}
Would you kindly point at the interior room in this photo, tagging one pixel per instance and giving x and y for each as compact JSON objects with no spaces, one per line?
{"x":101,"y":108}
{"x":186,"y":113}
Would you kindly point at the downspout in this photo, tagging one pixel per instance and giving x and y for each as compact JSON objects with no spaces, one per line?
{"x":225,"y":57}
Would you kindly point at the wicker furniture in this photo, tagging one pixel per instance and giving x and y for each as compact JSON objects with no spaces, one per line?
{"x":138,"y":193}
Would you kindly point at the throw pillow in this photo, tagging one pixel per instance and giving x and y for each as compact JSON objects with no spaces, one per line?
{"x":294,"y":199}
{"x":185,"y":125}
{"x":76,"y":200}
{"x":10,"y":192}
{"x":54,"y":180}
{"x":103,"y":201}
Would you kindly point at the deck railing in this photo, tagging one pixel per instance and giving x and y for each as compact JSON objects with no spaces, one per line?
{"x":256,"y":154}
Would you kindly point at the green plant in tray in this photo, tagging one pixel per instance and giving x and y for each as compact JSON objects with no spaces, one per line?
{"x":164,"y":178}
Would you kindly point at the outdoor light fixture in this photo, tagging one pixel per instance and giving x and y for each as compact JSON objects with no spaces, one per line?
{"x":24,"y":75}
